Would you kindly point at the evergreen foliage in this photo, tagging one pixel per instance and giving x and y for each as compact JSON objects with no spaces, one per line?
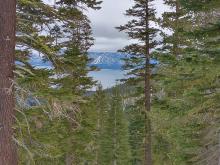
{"x":170,"y":110}
{"x":114,"y":144}
{"x":176,"y":22}
{"x":138,"y":65}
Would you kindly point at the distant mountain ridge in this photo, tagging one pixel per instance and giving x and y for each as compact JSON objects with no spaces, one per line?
{"x":102,"y":60}
{"x":107,"y":60}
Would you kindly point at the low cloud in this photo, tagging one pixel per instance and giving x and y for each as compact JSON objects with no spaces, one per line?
{"x":104,"y":44}
{"x":108,"y":31}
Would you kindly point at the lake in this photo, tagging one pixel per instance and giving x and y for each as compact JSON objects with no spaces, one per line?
{"x":107,"y":77}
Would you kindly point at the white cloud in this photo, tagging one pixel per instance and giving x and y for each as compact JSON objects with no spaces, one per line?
{"x":110,"y":16}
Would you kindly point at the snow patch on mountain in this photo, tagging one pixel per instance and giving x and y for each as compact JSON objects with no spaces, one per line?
{"x":97,"y":60}
{"x":107,"y":60}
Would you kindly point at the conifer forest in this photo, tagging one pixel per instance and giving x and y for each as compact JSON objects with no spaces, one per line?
{"x":165,"y":110}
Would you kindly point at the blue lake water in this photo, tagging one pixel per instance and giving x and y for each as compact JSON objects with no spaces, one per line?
{"x":108,"y":77}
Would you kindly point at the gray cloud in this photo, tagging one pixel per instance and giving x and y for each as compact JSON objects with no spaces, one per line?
{"x":103,"y":30}
{"x":104,"y":22}
{"x":109,"y":44}
{"x":110,"y":16}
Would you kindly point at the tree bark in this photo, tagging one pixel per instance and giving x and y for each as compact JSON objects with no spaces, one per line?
{"x":176,"y":43}
{"x":69,"y":159}
{"x":98,"y":136}
{"x":8,"y":154}
{"x":114,"y":138}
{"x":147,"y":91}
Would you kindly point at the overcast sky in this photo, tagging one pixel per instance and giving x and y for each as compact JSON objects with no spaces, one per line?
{"x":107,"y":38}
{"x":104,"y":21}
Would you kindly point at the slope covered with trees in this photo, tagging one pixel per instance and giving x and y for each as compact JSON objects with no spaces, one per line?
{"x":163,"y":114}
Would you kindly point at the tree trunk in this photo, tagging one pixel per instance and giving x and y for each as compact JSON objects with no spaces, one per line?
{"x":114,"y":138}
{"x":98,"y":137}
{"x":147,"y":92}
{"x":8,"y":155}
{"x":69,"y":159}
{"x":147,"y":147}
{"x":176,"y":43}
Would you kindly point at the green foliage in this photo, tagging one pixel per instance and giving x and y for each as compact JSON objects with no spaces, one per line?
{"x":177,"y":21}
{"x":50,"y":102}
{"x":136,"y":134}
{"x":186,"y":100}
{"x":56,"y":123}
{"x":114,"y":141}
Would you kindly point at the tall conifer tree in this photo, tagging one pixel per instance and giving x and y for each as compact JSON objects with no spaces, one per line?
{"x":176,"y":22}
{"x":187,"y":100}
{"x":139,"y":28}
{"x":62,"y":35}
{"x":115,"y":148}
{"x":8,"y":153}
{"x":101,"y":107}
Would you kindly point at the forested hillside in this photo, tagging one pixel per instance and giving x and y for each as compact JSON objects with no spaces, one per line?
{"x":166,"y":111}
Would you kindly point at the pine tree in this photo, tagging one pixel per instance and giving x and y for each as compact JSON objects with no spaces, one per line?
{"x":94,"y":4}
{"x":8,"y":153}
{"x":59,"y":91}
{"x":136,"y":133}
{"x":186,"y":96}
{"x":177,"y":22}
{"x":207,"y":33}
{"x":101,"y":106}
{"x":114,"y":143}
{"x":139,"y":61}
